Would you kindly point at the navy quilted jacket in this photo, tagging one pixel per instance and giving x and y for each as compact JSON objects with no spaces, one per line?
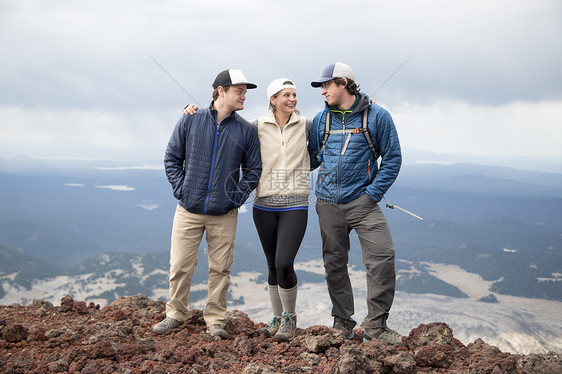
{"x":344,"y":177}
{"x":203,"y":162}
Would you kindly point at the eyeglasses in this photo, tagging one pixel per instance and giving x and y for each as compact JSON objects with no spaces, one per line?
{"x":327,"y":84}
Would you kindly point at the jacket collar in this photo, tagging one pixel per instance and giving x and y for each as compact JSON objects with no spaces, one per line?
{"x":270,"y":118}
{"x":362,"y":101}
{"x":214,"y":112}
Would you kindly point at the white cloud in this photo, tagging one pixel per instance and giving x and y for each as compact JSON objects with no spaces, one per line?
{"x":149,"y":206}
{"x":117,"y":187}
{"x":86,"y":133}
{"x":521,"y":129}
{"x":77,"y":75}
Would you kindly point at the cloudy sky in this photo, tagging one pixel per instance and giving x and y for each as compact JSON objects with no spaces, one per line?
{"x":78,"y":79}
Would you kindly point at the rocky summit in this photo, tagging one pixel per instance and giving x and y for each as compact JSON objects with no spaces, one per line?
{"x":76,"y":337}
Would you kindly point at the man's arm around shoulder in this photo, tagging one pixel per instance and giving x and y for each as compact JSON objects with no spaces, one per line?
{"x":251,"y":166}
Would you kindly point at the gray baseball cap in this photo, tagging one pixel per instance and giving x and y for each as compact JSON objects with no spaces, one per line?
{"x":332,"y":71}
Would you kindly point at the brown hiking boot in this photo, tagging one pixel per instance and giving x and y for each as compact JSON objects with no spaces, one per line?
{"x":384,"y":333}
{"x":288,"y":327}
{"x":166,"y":325}
{"x":271,"y":329}
{"x":345,"y":327}
{"x":217,"y":330}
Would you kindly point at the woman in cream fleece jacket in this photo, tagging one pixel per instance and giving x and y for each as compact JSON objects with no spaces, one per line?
{"x":281,"y":202}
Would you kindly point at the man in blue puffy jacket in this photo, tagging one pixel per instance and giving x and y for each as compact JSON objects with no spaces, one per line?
{"x":350,"y":184}
{"x":203,"y":161}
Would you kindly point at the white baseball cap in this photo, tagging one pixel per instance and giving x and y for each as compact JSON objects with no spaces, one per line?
{"x":278,"y":85}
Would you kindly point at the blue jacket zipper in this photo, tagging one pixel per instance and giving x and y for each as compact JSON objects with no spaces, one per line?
{"x":338,"y":196}
{"x":340,"y":162}
{"x":212,"y":167}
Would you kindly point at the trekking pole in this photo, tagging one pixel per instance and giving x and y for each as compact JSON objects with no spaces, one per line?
{"x":391,"y":75}
{"x":170,"y":75}
{"x":389,"y":205}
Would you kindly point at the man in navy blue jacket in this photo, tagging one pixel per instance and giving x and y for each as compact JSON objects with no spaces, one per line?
{"x":203,"y":160}
{"x":349,"y":186}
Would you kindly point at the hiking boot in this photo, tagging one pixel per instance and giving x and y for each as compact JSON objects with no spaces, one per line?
{"x":166,"y":325}
{"x":288,"y":328}
{"x":271,"y":329}
{"x":345,"y":327}
{"x":217,"y":330}
{"x":384,"y":333}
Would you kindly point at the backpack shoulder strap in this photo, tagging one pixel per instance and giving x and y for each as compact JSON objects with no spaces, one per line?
{"x":365,"y":131}
{"x":327,"y":126}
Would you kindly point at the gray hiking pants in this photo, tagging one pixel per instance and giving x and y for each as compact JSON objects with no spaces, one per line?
{"x":365,"y":217}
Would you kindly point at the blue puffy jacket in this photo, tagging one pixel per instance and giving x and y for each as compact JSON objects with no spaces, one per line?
{"x":203,"y":162}
{"x":343,"y":178}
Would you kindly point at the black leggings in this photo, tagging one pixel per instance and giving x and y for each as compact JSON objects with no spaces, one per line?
{"x":281,"y":235}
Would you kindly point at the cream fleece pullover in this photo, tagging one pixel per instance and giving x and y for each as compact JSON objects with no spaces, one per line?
{"x":285,"y":178}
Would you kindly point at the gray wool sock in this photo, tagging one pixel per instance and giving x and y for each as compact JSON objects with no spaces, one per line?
{"x":276,"y":304}
{"x":288,"y":298}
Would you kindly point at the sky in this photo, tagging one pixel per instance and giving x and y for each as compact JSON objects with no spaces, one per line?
{"x":463,"y":80}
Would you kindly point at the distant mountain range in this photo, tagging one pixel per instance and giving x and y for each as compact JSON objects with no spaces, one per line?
{"x":501,"y":223}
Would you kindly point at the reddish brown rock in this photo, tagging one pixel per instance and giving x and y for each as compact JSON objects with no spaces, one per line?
{"x":14,"y":333}
{"x":541,"y":364}
{"x":435,"y":355}
{"x":352,"y":361}
{"x":401,"y":363}
{"x":432,"y":333}
{"x":66,"y":304}
{"x":483,"y":349}
{"x":80,"y":307}
{"x":42,"y":304}
{"x":318,"y":339}
{"x":75,"y":338}
{"x":36,"y":333}
{"x":104,"y":349}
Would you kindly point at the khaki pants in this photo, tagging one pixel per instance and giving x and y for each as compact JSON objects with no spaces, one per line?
{"x":187,"y":233}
